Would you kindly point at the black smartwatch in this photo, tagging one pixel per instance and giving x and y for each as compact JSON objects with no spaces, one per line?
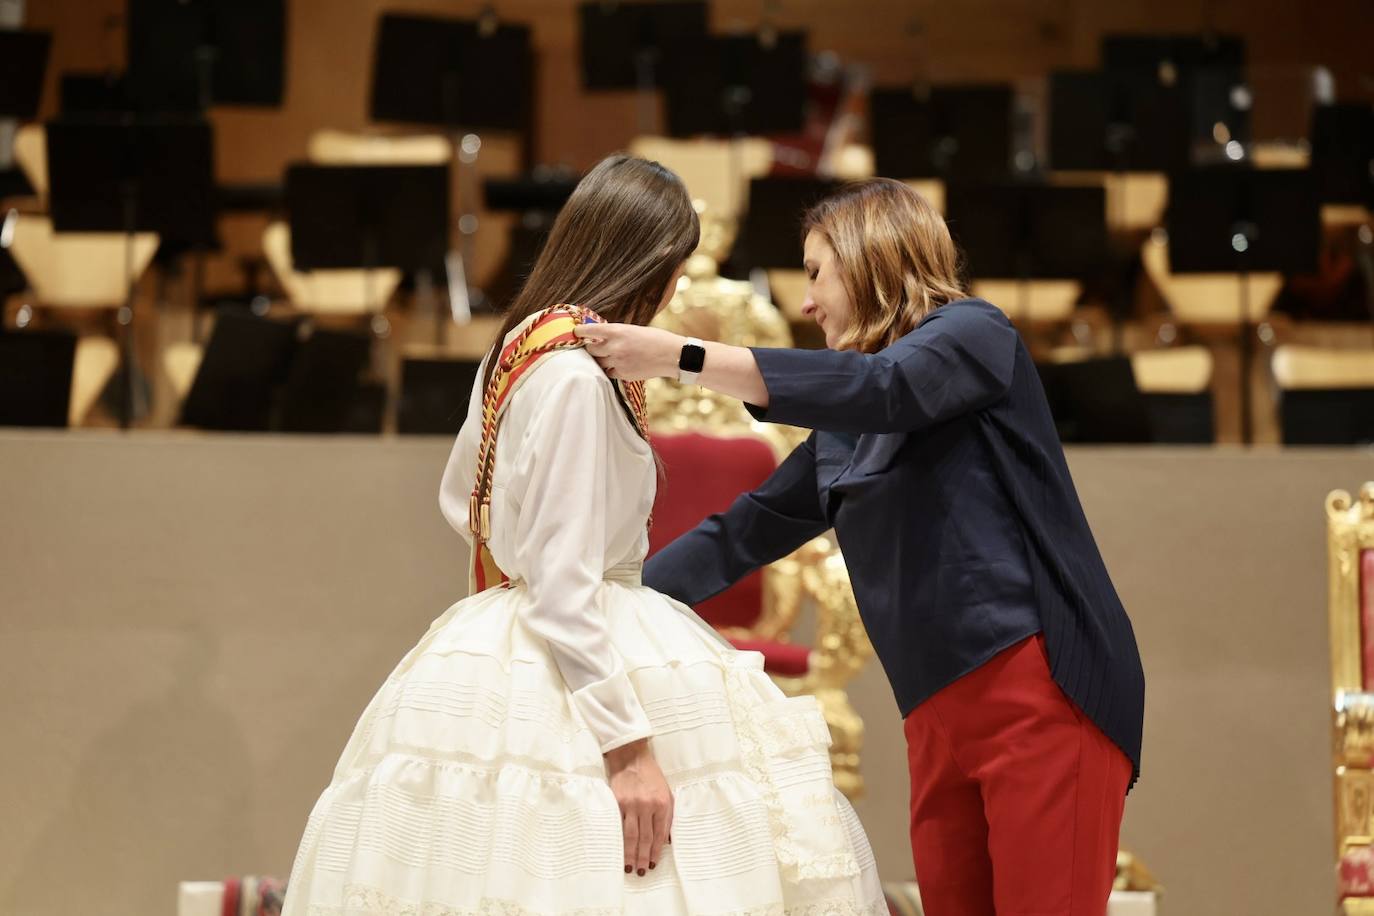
{"x":690,"y":363}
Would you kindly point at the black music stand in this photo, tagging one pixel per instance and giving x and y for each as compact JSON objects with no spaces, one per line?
{"x":435,"y":390}
{"x":949,"y":132}
{"x":770,"y":236}
{"x":901,"y":132}
{"x":1120,"y":122}
{"x":435,"y":395}
{"x":1184,"y":53}
{"x":13,"y":183}
{"x":93,"y":93}
{"x":535,"y":193}
{"x":458,"y":75}
{"x":452,"y":73}
{"x":1327,"y":416}
{"x":537,"y":199}
{"x":733,"y":85}
{"x":623,"y":43}
{"x":1079,"y":112}
{"x":35,"y":377}
{"x":623,"y":46}
{"x":324,"y":391}
{"x":1027,"y":232}
{"x":246,"y":360}
{"x":1176,"y":99}
{"x":11,"y":277}
{"x":131,"y":175}
{"x":1181,"y":418}
{"x":356,"y":217}
{"x":1227,"y":219}
{"x":153,"y":174}
{"x":23,"y":62}
{"x":258,"y":376}
{"x":1343,"y":153}
{"x":24,"y":59}
{"x":185,"y":55}
{"x":1096,"y":401}
{"x":367,"y":216}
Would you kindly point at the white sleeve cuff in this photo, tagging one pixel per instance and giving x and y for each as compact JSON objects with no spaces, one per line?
{"x":612,"y":711}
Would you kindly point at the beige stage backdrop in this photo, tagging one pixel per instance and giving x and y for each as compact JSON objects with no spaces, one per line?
{"x":189,"y":627}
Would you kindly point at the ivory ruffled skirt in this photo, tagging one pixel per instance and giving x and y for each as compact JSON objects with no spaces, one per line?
{"x":472,"y":786}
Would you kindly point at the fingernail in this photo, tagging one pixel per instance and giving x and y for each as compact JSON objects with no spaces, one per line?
{"x":653,"y":865}
{"x":628,"y":869}
{"x":641,"y":873}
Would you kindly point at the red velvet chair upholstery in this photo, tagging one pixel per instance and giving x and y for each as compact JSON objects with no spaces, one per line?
{"x":703,"y":474}
{"x":1350,"y":540}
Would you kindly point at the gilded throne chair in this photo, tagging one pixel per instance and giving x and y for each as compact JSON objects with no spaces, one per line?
{"x":1350,"y":543}
{"x":712,"y":451}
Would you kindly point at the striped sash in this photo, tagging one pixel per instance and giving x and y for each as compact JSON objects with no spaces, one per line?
{"x":544,"y":333}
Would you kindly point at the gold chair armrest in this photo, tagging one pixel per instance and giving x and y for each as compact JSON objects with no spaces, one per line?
{"x":1354,"y":728}
{"x":1353,"y":744}
{"x":782,"y":599}
{"x":841,"y":647}
{"x":1132,"y":875}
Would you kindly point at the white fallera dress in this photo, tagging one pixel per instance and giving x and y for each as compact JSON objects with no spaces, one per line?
{"x":474,"y":782}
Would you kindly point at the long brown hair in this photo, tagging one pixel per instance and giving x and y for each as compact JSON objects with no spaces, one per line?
{"x":894,"y":254}
{"x":619,"y":239}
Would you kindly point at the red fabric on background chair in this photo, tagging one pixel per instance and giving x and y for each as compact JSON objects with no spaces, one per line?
{"x":1357,"y":870}
{"x":702,"y":475}
{"x":781,"y":658}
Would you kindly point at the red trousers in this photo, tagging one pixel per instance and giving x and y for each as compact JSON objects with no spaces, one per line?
{"x":1016,"y":796}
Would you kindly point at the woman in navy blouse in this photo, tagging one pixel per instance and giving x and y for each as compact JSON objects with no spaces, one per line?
{"x":935,"y":459}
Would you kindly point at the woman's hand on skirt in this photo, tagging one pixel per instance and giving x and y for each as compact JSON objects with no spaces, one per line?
{"x":646,"y":803}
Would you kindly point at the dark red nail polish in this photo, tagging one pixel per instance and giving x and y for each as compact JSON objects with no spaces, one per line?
{"x":641,"y":873}
{"x":628,"y":869}
{"x":653,"y":865}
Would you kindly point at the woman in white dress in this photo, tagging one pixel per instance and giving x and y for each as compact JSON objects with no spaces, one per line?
{"x":565,"y":740}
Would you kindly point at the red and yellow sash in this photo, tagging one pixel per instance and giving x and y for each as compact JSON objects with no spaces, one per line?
{"x":547,"y":332}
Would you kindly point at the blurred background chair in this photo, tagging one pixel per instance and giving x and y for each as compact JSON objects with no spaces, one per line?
{"x":1326,"y":395}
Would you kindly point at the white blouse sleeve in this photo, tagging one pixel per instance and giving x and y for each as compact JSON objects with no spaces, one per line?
{"x":455,"y":489}
{"x":560,"y":539}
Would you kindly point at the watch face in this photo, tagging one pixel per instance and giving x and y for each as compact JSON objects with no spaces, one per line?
{"x":693,"y":358}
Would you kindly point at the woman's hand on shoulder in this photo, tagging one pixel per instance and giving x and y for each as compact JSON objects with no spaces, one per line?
{"x":631,"y":352}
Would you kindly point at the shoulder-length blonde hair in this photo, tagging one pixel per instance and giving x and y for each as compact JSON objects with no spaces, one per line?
{"x":894,"y":254}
